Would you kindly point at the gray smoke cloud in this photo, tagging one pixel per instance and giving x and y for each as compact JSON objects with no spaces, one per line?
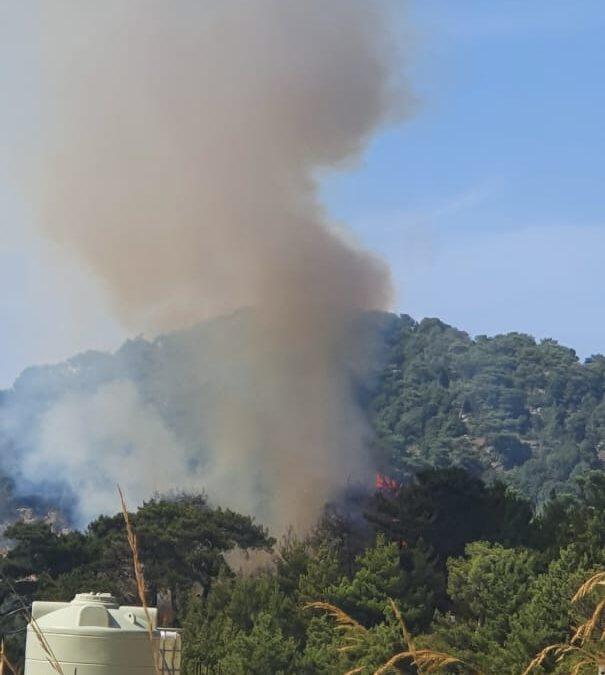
{"x":175,"y":149}
{"x":105,"y":436}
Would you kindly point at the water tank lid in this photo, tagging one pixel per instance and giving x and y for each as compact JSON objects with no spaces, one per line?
{"x":105,"y":599}
{"x":92,"y":612}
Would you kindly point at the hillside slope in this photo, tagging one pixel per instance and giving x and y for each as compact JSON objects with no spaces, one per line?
{"x":506,"y":406}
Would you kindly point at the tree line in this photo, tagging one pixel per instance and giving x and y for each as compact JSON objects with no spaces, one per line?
{"x":527,"y":412}
{"x":472,"y":569}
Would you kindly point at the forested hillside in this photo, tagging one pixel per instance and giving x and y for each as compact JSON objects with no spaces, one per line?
{"x":479,"y":572}
{"x":528,"y":412}
{"x":470,"y":569}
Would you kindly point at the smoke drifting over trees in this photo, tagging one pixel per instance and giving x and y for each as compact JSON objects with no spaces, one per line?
{"x":175,"y":150}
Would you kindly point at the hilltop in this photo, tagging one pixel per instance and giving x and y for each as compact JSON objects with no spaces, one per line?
{"x":525,"y":411}
{"x":476,"y":570}
{"x":509,"y":407}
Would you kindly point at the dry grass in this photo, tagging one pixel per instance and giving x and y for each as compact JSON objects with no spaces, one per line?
{"x":42,"y":641}
{"x":582,"y":644}
{"x":539,"y":659}
{"x":140,"y":584}
{"x":561,"y":651}
{"x":426,"y":660}
{"x":407,"y":636}
{"x":46,"y":648}
{"x":589,"y":586}
{"x":343,"y":620}
{"x":587,"y":629}
{"x":353,"y":631}
{"x":5,"y":664}
{"x":139,"y":578}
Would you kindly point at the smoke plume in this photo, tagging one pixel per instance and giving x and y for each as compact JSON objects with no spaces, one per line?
{"x":176,"y":150}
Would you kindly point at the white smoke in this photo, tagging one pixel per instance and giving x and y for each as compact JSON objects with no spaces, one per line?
{"x":98,"y":440}
{"x":174,"y":149}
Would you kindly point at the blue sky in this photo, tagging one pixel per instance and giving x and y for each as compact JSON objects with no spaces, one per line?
{"x":489,"y":204}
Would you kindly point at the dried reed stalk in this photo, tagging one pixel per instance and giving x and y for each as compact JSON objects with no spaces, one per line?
{"x":4,"y":661}
{"x":43,"y":642}
{"x":585,"y":631}
{"x":562,"y":650}
{"x":589,"y":585}
{"x":139,"y":578}
{"x":50,"y":656}
{"x":407,"y":636}
{"x":343,"y":621}
{"x":425,"y":660}
{"x":581,"y":642}
{"x":353,"y":631}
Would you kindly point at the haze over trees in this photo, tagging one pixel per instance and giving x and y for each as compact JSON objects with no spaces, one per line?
{"x":492,"y":515}
{"x":508,"y":407}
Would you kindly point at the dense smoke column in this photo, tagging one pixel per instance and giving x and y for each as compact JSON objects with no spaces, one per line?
{"x":175,"y":151}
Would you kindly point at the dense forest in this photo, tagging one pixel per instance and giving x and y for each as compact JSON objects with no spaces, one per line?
{"x":470,"y":568}
{"x":508,"y":407}
{"x":527,"y":412}
{"x":489,"y":515}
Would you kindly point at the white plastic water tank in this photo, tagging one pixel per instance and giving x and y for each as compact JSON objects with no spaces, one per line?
{"x":93,"y":635}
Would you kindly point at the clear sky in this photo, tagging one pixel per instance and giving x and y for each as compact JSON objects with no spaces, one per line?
{"x":489,"y":204}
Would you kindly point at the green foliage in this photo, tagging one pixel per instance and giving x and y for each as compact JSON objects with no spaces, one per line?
{"x":323,"y":573}
{"x":494,"y":604}
{"x":498,"y":444}
{"x":181,"y":545}
{"x":181,"y":542}
{"x":239,"y":609}
{"x":430,"y":508}
{"x":489,"y":585}
{"x":576,"y":520}
{"x":321,"y":653}
{"x":380,"y":575}
{"x":528,"y":412}
{"x":471,"y":569}
{"x":235,"y":606}
{"x":486,"y":589}
{"x":546,"y":617}
{"x":262,"y":650}
{"x":38,"y":550}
